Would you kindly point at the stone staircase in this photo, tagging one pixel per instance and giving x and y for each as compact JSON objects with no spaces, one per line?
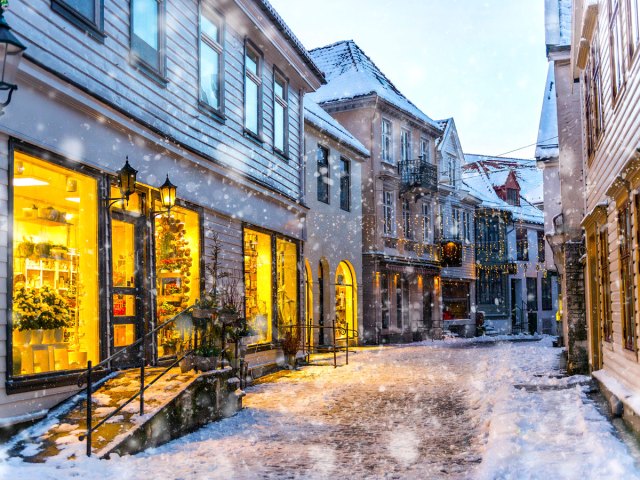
{"x":176,"y":404}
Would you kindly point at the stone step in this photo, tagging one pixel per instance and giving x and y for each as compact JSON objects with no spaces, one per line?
{"x":174,"y":405}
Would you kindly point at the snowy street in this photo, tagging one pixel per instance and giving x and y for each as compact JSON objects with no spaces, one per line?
{"x":454,"y":409}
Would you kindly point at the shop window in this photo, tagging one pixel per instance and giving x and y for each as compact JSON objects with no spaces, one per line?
{"x":455,"y":296}
{"x":287,"y":275}
{"x":427,"y":302}
{"x":386,"y":300}
{"x":55,"y":311}
{"x":177,"y":245}
{"x":258,"y":283}
{"x":345,"y":300}
{"x":626,"y":278}
{"x":532,"y":294}
{"x":547,"y":296}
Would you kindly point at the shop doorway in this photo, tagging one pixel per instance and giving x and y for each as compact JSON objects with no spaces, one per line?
{"x":128,"y":236}
{"x":346,"y":307}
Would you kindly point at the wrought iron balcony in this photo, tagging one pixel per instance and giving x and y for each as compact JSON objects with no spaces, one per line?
{"x":418,"y":176}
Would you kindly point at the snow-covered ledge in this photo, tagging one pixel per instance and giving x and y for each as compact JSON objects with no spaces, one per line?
{"x":622,"y":400}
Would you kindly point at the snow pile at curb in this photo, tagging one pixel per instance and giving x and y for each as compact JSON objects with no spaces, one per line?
{"x":548,"y":431}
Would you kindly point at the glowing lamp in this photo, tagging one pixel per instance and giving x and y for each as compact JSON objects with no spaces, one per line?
{"x":11,"y":50}
{"x":168,"y":194}
{"x":127,"y":180}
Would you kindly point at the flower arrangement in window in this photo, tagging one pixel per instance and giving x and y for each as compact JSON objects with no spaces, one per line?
{"x":40,"y":309}
{"x":174,"y":255}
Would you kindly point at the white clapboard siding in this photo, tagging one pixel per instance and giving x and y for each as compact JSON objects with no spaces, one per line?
{"x":103,"y":69}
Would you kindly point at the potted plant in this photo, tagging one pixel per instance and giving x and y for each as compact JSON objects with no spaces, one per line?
{"x":170,"y":346}
{"x":37,"y":310}
{"x":290,"y":345}
{"x":205,"y":357}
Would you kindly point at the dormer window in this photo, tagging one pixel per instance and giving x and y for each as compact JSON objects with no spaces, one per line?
{"x":513,"y":197}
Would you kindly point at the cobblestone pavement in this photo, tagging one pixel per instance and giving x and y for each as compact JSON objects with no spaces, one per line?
{"x":398,"y":412}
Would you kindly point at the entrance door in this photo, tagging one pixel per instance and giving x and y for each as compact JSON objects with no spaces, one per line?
{"x":127,"y":250}
{"x":516,"y":308}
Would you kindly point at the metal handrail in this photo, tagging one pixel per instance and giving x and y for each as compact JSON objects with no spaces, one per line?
{"x":142,"y":342}
{"x":306,"y":346}
{"x":134,"y":344}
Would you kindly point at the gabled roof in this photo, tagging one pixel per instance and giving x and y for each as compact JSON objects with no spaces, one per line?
{"x":448,"y":126}
{"x":316,"y":116}
{"x":547,"y":145}
{"x":350,"y":73}
{"x":482,"y":173}
{"x":291,"y":38}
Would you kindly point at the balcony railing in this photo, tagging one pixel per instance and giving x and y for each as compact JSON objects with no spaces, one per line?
{"x":418,"y":175}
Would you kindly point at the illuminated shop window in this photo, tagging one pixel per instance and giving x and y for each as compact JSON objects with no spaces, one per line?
{"x":55,"y":268}
{"x":177,"y":240}
{"x":258,"y":283}
{"x":287,"y":270}
{"x":345,"y":301}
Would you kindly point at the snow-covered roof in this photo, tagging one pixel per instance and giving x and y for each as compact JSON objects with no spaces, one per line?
{"x":291,"y":38}
{"x":547,"y":145}
{"x":316,"y":116}
{"x":444,"y":125}
{"x":350,"y":73}
{"x":482,"y":173}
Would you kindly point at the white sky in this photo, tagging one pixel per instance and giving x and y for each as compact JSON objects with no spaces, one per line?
{"x":480,"y":61}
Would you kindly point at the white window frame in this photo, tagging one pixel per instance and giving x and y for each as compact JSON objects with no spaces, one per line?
{"x":282,"y":102}
{"x":386,"y":141}
{"x":425,"y":149}
{"x":405,"y":144}
{"x":427,"y":223}
{"x":256,"y":79}
{"x":216,"y":44}
{"x":388,"y":213}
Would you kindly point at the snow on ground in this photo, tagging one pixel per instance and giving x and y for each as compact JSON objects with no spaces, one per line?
{"x":454,"y":409}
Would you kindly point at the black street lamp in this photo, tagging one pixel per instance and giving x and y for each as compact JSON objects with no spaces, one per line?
{"x":11,"y":50}
{"x":126,"y":184}
{"x":168,"y":194}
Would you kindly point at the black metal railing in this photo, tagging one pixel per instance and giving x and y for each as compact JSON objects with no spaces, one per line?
{"x":418,"y":174}
{"x":339,"y":340}
{"x":86,"y":377}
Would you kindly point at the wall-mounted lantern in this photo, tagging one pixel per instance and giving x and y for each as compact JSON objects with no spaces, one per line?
{"x":11,"y":50}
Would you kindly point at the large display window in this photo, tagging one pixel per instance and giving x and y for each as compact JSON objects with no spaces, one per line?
{"x":177,"y":245}
{"x":287,"y":273}
{"x":55,"y":310}
{"x":258,"y":262}
{"x":345,"y":301}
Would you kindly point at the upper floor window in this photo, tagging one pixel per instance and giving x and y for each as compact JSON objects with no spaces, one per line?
{"x":280,"y":113}
{"x":456,"y":226}
{"x":522,"y":245}
{"x":513,"y":197}
{"x":466,"y":225}
{"x":626,"y":277}
{"x":405,"y":143}
{"x":86,"y":14}
{"x":388,"y":213}
{"x":427,"y":228}
{"x":210,"y":58}
{"x":147,"y":37}
{"x":252,"y":90}
{"x":425,"y":154}
{"x":406,"y":219}
{"x":345,"y":184}
{"x":451,"y":170}
{"x":322,"y":172}
{"x":594,"y":116}
{"x":386,"y":142}
{"x":615,"y":44}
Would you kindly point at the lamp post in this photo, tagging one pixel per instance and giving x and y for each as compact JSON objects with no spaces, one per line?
{"x":11,"y":50}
